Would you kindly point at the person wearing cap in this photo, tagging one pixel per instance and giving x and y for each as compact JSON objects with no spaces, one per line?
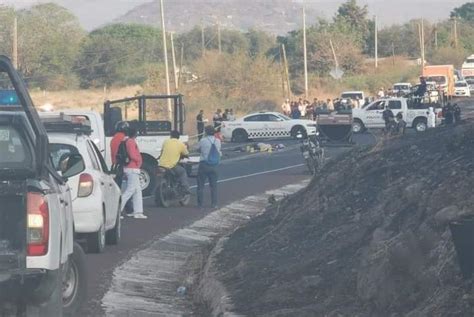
{"x":121,"y":129}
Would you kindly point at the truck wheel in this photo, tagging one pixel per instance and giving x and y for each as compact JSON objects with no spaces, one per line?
{"x":420,"y":125}
{"x":53,"y":306}
{"x":240,"y":136}
{"x":74,"y":283}
{"x":147,"y":178}
{"x":357,"y":126}
{"x":297,"y":130}
{"x":96,"y":240}
{"x":114,"y":234}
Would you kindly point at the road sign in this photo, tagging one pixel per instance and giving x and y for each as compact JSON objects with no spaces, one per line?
{"x":336,"y":73}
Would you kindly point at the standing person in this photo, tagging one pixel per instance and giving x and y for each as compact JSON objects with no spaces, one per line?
{"x":217,"y":119}
{"x":231,"y":116}
{"x":295,"y":111}
{"x":225,"y":116}
{"x":401,"y":124}
{"x":133,"y":189}
{"x":381,"y":93}
{"x":200,"y":124}
{"x":388,"y":118}
{"x":121,"y":129}
{"x":210,"y":149}
{"x":286,"y":107}
{"x":173,"y":150}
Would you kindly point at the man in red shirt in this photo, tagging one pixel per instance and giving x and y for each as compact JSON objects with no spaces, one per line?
{"x":133,"y":188}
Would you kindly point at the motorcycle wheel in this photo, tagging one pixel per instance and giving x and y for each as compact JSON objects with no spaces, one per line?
{"x":163,"y":194}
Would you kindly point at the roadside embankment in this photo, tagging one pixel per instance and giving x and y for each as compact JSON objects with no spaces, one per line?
{"x":368,"y":237}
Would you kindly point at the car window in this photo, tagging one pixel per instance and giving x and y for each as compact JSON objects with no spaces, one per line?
{"x":14,"y":149}
{"x":461,"y":84}
{"x":91,"y":152}
{"x":57,"y":150}
{"x":379,"y":105}
{"x":254,"y":118}
{"x":395,"y":104}
{"x":102,"y":163}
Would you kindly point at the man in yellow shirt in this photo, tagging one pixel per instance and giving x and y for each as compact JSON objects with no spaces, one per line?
{"x":171,"y":153}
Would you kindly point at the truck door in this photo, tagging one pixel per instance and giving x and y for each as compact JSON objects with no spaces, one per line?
{"x":374,"y":117}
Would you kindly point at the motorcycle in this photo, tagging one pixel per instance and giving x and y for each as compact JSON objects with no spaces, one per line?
{"x":313,"y":152}
{"x":168,"y":191}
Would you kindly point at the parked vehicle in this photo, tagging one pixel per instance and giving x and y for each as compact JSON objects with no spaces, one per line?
{"x":96,"y":196}
{"x":312,"y":151}
{"x":442,"y":76}
{"x":467,"y":69}
{"x":42,"y":269}
{"x":401,"y":88}
{"x":470,"y":82}
{"x":152,"y":133}
{"x":266,"y":125}
{"x":462,"y":89}
{"x":414,"y":112}
{"x":355,"y":96}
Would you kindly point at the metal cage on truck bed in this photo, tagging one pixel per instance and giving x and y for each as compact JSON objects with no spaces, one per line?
{"x":114,"y":111}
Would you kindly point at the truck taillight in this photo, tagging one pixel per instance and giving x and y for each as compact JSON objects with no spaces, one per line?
{"x":38,"y":224}
{"x":86,"y":185}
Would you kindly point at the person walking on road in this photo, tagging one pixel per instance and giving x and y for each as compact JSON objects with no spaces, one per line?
{"x":133,"y":189}
{"x":210,"y":149}
{"x":200,"y":124}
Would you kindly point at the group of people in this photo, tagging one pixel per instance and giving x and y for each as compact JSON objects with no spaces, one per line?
{"x":303,"y":109}
{"x":217,"y":119}
{"x":127,"y":162}
{"x":393,"y":124}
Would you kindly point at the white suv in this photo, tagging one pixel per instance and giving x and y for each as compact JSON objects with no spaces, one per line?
{"x":96,"y":197}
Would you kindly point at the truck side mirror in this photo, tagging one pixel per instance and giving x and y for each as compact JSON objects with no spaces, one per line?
{"x":71,"y":165}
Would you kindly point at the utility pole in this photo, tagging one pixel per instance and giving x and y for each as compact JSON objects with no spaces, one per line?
{"x":376,"y":43}
{"x":165,"y":56}
{"x":393,"y":54}
{"x":305,"y":55}
{"x":219,"y":37}
{"x":455,"y":32}
{"x":181,"y":65}
{"x":287,"y":73}
{"x":334,"y":54}
{"x":203,"y":40}
{"x":173,"y":55}
{"x":436,"y":37}
{"x":283,"y":74}
{"x":15,"y":43}
{"x":422,"y":43}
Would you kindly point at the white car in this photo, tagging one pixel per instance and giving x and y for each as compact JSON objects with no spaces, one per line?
{"x":266,"y":125}
{"x":95,"y":196}
{"x":462,"y":89}
{"x":402,"y":88}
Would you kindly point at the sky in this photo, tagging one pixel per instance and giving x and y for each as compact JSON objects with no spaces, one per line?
{"x":94,"y":13}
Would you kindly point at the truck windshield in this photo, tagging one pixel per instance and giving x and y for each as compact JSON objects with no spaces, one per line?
{"x":461,"y":85}
{"x":439,"y":80}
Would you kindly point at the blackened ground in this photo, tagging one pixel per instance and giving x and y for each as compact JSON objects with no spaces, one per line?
{"x":368,"y":237}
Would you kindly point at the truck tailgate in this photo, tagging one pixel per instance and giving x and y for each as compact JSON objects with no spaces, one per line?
{"x":12,"y":228}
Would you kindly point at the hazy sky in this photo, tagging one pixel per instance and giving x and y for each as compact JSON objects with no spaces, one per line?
{"x":93,"y":13}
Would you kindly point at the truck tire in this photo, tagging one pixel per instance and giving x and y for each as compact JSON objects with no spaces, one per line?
{"x":96,"y":240}
{"x":53,"y":306}
{"x":114,"y":235}
{"x":358,"y":126}
{"x":148,"y":178}
{"x":240,"y":136}
{"x":420,"y":124}
{"x":296,"y":130}
{"x":74,"y":283}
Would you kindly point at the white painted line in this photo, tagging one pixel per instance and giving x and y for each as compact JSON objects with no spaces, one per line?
{"x":255,"y":174}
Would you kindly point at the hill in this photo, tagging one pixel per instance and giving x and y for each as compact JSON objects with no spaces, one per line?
{"x":277,"y":16}
{"x":368,"y":237}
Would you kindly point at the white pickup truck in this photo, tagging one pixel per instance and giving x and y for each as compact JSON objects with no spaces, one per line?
{"x":415,"y":114}
{"x":152,"y":133}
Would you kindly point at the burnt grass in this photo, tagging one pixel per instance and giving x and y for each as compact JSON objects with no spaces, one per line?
{"x":368,"y":237}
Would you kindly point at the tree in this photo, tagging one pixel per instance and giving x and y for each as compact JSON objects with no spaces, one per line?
{"x":465,"y":12}
{"x":259,"y":42}
{"x":354,"y":15}
{"x":119,"y":54}
{"x":49,"y":40}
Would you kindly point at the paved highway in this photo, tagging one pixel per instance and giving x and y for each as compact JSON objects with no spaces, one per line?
{"x":241,"y":175}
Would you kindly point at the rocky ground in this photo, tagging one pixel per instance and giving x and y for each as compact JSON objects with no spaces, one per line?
{"x":368,"y":237}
